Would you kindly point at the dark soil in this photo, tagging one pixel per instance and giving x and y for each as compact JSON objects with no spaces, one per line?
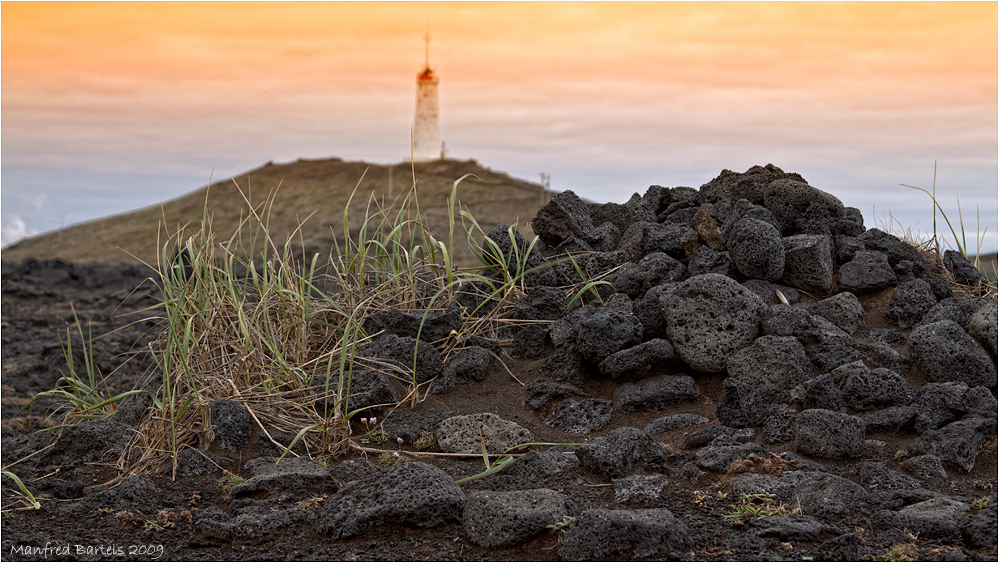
{"x":81,"y":518}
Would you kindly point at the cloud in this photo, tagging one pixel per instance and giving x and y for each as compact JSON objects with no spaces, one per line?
{"x":14,"y":230}
{"x":38,"y":201}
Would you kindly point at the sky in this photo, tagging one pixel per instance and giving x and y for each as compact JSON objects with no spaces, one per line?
{"x":108,"y":108}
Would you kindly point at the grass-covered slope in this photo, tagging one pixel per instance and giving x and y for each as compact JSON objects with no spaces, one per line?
{"x":313,"y":189}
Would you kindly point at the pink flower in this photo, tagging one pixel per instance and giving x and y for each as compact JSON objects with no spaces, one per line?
{"x":225,"y":472}
{"x":395,"y":454}
{"x":374,"y":420}
{"x":364,"y":420}
{"x":399,"y":440}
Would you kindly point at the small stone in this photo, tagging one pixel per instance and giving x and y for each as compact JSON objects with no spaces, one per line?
{"x":829,"y":434}
{"x":467,"y":434}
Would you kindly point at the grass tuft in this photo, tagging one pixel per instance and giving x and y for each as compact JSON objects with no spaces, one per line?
{"x":933,"y":247}
{"x":261,"y":323}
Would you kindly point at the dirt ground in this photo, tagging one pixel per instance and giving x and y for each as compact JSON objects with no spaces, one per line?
{"x":82,"y":519}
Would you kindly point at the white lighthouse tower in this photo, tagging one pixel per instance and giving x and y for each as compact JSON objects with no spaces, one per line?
{"x":427,"y":124}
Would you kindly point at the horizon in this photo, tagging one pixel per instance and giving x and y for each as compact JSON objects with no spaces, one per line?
{"x":109,"y":108}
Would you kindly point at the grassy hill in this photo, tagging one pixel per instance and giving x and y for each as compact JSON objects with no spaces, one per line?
{"x":318,"y":187}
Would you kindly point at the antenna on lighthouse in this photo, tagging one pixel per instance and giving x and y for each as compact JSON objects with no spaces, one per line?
{"x":426,"y":60}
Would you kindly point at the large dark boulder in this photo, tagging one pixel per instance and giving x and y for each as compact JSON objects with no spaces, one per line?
{"x":495,"y":519}
{"x":564,"y":216}
{"x":789,"y":199}
{"x":751,"y":184}
{"x":622,"y":451}
{"x":913,"y":299}
{"x":756,"y":249}
{"x":655,"y":393}
{"x":829,"y":434}
{"x":601,"y":332}
{"x":868,"y":272}
{"x":945,"y":352}
{"x":408,"y":494}
{"x":710,"y":316}
{"x":602,"y":534}
{"x":808,"y":263}
{"x":636,"y":278}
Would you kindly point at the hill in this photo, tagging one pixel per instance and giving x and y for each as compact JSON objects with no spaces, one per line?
{"x":319,"y":187}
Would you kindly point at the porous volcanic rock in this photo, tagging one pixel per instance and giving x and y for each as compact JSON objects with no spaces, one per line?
{"x":512,"y":251}
{"x":467,"y":434}
{"x":399,"y":350}
{"x":843,"y":310}
{"x":962,"y":269}
{"x":984,"y":327}
{"x":602,"y":534}
{"x":471,"y":364}
{"x":430,"y":326}
{"x":913,"y":299}
{"x":637,"y":361}
{"x":231,"y":424}
{"x":292,"y":473}
{"x":894,"y":248}
{"x":938,"y":404}
{"x":622,"y":451}
{"x":710,"y":316}
{"x":497,"y":519}
{"x":866,"y":389}
{"x":601,"y":332}
{"x":945,"y":352}
{"x":959,"y":442}
{"x":829,"y":434}
{"x":635,"y":278}
{"x":564,"y":216}
{"x":756,"y":249}
{"x":769,"y":367}
{"x":655,"y":393}
{"x":788,"y":199}
{"x":934,"y":518}
{"x":808,"y":263}
{"x":868,"y":272}
{"x":370,"y":392}
{"x":581,"y":417}
{"x":408,"y":494}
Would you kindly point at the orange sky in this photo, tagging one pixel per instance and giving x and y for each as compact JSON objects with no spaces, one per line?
{"x":879,"y":88}
{"x":50,"y":45}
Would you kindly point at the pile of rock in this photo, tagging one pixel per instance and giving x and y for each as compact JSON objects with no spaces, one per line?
{"x":711,"y":281}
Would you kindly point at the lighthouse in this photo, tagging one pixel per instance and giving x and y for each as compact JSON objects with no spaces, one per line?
{"x":427,"y":124}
